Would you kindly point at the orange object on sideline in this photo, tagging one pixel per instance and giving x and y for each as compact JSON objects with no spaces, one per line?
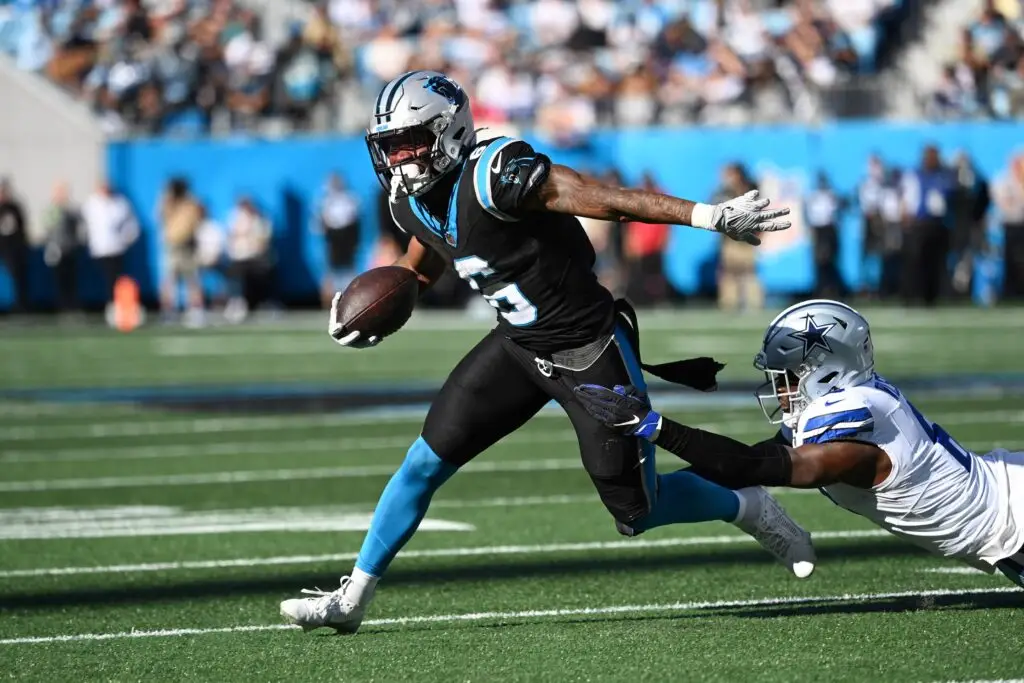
{"x":127,"y":308}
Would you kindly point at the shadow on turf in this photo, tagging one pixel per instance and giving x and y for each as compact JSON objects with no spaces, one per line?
{"x":975,"y":601}
{"x":471,"y":569}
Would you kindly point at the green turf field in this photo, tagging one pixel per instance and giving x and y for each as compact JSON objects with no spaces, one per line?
{"x":143,"y":544}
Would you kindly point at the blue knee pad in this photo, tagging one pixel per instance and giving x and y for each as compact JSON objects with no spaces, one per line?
{"x":402,"y":506}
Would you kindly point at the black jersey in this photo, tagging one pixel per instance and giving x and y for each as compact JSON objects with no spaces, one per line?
{"x":534,"y":267}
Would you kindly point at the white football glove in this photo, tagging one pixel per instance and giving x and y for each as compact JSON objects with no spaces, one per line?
{"x":740,"y":218}
{"x":354,"y":339}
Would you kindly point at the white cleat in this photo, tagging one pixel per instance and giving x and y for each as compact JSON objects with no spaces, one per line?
{"x":775,"y":530}
{"x":333,"y":609}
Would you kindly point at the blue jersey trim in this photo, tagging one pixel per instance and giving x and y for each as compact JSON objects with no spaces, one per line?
{"x":833,"y":434}
{"x":847,"y":418}
{"x":449,"y":232}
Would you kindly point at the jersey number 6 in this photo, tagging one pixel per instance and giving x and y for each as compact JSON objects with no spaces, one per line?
{"x":508,"y":299}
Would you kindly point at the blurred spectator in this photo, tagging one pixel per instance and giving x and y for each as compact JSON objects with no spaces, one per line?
{"x":969,"y":204}
{"x":926,"y":196}
{"x":989,"y":30}
{"x":210,"y":241}
{"x":111,"y":227}
{"x":250,"y":259}
{"x":738,"y":284}
{"x":298,"y":83}
{"x":62,"y":239}
{"x":338,"y":222}
{"x":180,"y":218}
{"x":14,"y":244}
{"x":1008,"y":193}
{"x":821,"y":210}
{"x":869,"y":198}
{"x":644,"y":253}
{"x":250,"y":64}
{"x":176,"y":70}
{"x":890,"y":203}
{"x":986,"y":78}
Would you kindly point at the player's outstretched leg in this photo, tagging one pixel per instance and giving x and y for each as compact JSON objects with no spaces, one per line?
{"x":685,"y":497}
{"x":485,"y":398}
{"x":622,"y":468}
{"x":399,"y":512}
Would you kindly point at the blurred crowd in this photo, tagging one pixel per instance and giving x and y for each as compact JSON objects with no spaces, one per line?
{"x":937,"y":231}
{"x":160,"y":66}
{"x":985,"y":77}
{"x":176,"y":65}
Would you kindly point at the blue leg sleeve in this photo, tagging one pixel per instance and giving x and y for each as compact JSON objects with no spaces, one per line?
{"x":402,"y":506}
{"x":684,"y":497}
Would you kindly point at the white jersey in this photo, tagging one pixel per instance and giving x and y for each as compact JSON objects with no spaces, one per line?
{"x":938,"y":495}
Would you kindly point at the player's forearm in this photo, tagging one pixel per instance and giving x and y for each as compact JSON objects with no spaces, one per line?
{"x":566,"y":191}
{"x":426,"y":263}
{"x":621,"y":204}
{"x":723,"y":459}
{"x":425,"y":279}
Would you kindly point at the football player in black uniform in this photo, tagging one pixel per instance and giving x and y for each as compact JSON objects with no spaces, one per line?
{"x":503,"y":216}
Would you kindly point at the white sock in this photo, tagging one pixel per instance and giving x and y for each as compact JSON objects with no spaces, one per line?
{"x":742,"y":511}
{"x":362,"y":587}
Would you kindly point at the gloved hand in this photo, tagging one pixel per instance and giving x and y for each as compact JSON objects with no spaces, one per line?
{"x":623,"y":408}
{"x":353,"y":339}
{"x":741,"y":218}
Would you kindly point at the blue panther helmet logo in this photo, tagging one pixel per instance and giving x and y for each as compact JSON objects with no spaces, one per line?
{"x":446,"y":89}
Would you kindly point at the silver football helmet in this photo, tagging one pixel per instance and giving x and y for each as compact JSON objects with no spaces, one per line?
{"x":426,"y":115}
{"x":809,"y":350}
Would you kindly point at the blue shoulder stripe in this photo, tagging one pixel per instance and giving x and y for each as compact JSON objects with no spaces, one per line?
{"x":843,"y":418}
{"x":482,"y":177}
{"x":837,"y":433}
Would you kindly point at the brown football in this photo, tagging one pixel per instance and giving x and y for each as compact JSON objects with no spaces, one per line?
{"x":378,"y":302}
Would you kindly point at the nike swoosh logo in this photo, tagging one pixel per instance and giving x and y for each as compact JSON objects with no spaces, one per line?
{"x":634,"y":421}
{"x":496,"y":168}
{"x":832,"y":403}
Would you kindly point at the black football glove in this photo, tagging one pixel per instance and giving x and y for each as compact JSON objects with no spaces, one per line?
{"x":623,"y":408}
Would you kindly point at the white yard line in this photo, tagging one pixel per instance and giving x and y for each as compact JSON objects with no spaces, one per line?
{"x":956,"y":569}
{"x":626,"y":544}
{"x":298,"y":447}
{"x":287,"y":448}
{"x":247,"y":476}
{"x":695,"y":606}
{"x":268,"y":423}
{"x":125,"y":428}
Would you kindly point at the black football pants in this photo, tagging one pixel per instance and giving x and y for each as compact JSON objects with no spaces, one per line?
{"x":498,"y":386}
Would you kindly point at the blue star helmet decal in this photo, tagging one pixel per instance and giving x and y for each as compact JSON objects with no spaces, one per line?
{"x":813,"y":336}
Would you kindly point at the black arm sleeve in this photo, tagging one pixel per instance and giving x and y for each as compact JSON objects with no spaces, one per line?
{"x":725,"y":461}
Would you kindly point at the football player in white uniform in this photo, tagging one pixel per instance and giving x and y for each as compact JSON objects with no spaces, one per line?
{"x":846,"y":430}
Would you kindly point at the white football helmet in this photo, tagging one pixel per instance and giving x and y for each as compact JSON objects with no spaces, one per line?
{"x":809,"y":350}
{"x":419,"y":109}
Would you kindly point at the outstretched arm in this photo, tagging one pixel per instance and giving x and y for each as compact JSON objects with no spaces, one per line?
{"x":566,"y":191}
{"x":809,"y":466}
{"x":768,"y":463}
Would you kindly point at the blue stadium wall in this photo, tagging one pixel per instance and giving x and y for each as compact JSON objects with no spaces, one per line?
{"x":286,"y":177}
